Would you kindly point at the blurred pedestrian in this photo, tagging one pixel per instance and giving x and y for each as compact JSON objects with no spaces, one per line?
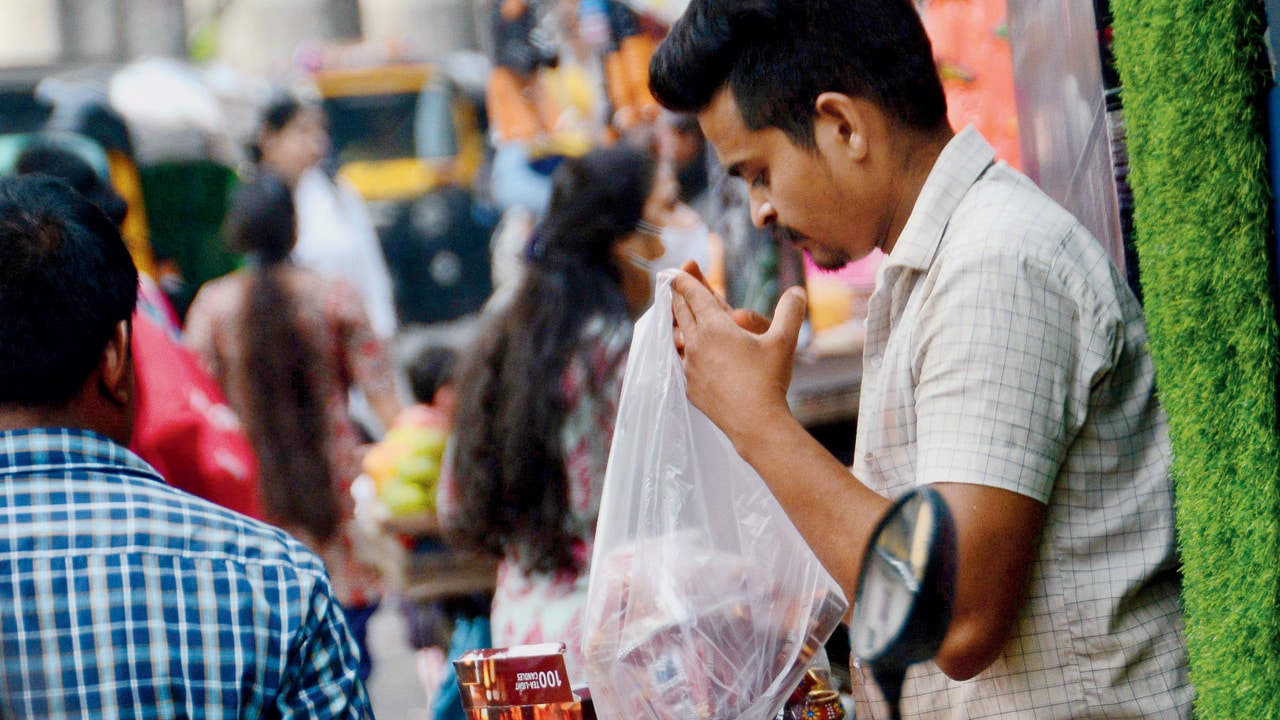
{"x":435,"y":626}
{"x":336,"y":233}
{"x":681,"y":139}
{"x":538,"y":394}
{"x":336,"y":236}
{"x":287,"y":344}
{"x":182,"y":425}
{"x":126,"y":598}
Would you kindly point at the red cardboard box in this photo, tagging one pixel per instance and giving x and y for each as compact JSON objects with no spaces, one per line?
{"x":525,"y":682}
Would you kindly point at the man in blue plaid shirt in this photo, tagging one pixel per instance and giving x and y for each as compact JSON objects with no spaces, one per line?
{"x":121,"y":597}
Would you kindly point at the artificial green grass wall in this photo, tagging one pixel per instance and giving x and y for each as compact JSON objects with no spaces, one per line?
{"x":1194,"y":76}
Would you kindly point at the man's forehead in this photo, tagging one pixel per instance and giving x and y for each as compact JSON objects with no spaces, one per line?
{"x":725,"y":129}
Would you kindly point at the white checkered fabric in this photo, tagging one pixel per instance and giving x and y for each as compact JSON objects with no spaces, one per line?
{"x":1004,"y":349}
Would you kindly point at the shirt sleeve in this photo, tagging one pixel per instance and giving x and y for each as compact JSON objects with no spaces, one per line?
{"x":324,"y":680}
{"x":1005,"y":361}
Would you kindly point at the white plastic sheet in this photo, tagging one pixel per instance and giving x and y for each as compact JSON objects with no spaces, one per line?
{"x":1063,"y":123}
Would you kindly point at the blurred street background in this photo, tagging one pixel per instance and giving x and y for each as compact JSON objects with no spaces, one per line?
{"x":437,"y":124}
{"x":165,"y":98}
{"x":254,"y":36}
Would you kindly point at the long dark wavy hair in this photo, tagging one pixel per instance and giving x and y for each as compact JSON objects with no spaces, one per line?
{"x":286,"y":414}
{"x":509,"y":464}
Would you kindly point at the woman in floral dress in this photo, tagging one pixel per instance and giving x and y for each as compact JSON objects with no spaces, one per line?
{"x":287,"y":344}
{"x":538,"y":395}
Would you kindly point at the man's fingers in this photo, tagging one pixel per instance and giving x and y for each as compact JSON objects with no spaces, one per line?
{"x":751,"y":321}
{"x":684,"y":316}
{"x":691,"y":267}
{"x":789,"y":316}
{"x":700,"y":298}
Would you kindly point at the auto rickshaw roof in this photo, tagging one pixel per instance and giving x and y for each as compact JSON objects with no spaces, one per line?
{"x":381,"y":80}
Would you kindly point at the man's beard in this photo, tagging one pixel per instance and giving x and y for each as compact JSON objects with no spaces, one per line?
{"x":824,"y":257}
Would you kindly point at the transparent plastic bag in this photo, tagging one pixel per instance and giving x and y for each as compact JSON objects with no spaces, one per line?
{"x":704,"y":600}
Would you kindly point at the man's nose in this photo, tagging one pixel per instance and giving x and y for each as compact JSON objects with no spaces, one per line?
{"x":762,"y":213}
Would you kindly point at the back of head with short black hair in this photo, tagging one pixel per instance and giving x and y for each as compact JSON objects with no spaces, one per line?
{"x":430,"y":370}
{"x":777,"y":56}
{"x":49,"y":159}
{"x":66,"y":281}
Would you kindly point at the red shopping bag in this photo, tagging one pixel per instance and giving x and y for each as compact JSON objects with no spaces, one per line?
{"x":184,"y":427}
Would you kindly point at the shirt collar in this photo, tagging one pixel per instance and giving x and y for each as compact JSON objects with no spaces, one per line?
{"x":34,"y":450}
{"x":965,"y":158}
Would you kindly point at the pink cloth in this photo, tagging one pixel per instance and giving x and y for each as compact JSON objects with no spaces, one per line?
{"x":857,"y":273}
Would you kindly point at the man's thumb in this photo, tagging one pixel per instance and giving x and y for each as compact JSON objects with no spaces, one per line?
{"x":789,"y":315}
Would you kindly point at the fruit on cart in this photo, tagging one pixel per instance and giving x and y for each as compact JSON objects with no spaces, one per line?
{"x":405,"y":466}
{"x":383,"y":460}
{"x":380,"y":463}
{"x":423,"y":469}
{"x":402,"y":496}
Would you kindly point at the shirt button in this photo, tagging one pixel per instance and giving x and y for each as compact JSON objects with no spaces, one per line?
{"x":877,"y":361}
{"x":869,"y":456}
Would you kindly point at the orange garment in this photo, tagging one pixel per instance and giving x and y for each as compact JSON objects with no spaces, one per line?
{"x":626,"y":74}
{"x":521,"y":109}
{"x":517,"y":109}
{"x":134,"y":229}
{"x":971,"y":48}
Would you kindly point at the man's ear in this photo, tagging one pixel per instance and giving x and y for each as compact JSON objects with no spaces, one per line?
{"x":116,"y":367}
{"x":848,"y":121}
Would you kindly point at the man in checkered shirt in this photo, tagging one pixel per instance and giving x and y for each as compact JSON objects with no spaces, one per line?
{"x":1005,"y":362}
{"x":121,"y":597}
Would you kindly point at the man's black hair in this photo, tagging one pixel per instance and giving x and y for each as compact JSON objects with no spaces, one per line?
{"x":777,"y":56}
{"x":431,"y":369}
{"x":47,"y":158}
{"x":66,"y":281}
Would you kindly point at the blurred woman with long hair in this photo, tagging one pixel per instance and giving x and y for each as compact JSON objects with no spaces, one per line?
{"x":287,"y":344}
{"x":538,"y":394}
{"x":336,"y":236}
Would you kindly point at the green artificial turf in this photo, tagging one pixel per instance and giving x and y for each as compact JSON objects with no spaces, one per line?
{"x":1194,"y":76}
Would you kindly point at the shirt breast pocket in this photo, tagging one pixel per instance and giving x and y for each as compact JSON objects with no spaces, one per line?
{"x":890,"y":471}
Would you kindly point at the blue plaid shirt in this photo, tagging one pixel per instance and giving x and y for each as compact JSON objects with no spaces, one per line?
{"x":122,"y":597}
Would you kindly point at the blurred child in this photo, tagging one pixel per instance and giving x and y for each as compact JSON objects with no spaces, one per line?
{"x":431,"y":378}
{"x":437,"y":628}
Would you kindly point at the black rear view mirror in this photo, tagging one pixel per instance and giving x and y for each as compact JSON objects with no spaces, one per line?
{"x":906,"y":590}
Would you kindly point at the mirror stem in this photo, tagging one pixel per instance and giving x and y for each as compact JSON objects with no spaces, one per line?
{"x":890,"y":681}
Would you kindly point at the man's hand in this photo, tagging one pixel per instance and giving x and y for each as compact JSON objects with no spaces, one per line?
{"x":746,"y":319}
{"x":737,"y":375}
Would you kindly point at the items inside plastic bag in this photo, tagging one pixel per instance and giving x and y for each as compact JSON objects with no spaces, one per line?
{"x":704,"y":600}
